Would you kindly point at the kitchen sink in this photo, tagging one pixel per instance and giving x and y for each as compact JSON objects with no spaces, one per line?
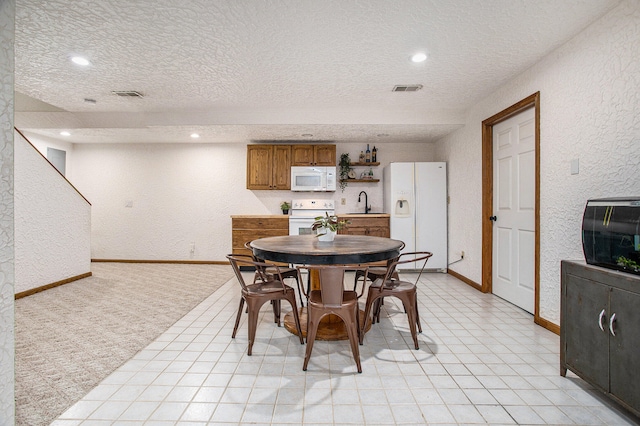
{"x":367,"y":213}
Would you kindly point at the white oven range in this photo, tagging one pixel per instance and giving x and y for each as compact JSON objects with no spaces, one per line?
{"x":304,"y":212}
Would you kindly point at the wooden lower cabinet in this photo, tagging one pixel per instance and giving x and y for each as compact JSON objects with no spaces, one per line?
{"x":600,"y":330}
{"x":249,"y":227}
{"x":375,"y":226}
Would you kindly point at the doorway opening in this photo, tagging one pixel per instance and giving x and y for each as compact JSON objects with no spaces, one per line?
{"x":58,"y":159}
{"x":488,"y":197}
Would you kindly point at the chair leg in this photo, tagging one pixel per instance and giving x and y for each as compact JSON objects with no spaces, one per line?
{"x":276,"y":311}
{"x":353,"y":339}
{"x":376,"y":310}
{"x":300,"y":293}
{"x":358,"y":329}
{"x":409,"y":302}
{"x":357,"y":275}
{"x":296,"y":317}
{"x":371,"y":298}
{"x":235,"y":328}
{"x":418,"y":316}
{"x":312,"y":328}
{"x":254,"y":308}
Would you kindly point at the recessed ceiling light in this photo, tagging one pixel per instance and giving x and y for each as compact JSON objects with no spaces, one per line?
{"x":195,"y":135}
{"x":419,"y":57}
{"x":79,"y":60}
{"x":65,"y":133}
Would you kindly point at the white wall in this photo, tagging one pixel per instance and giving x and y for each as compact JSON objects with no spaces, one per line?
{"x":184,"y":193}
{"x":52,"y":223}
{"x":387,"y":153}
{"x":7,"y":279}
{"x":43,"y":142}
{"x":590,"y":110}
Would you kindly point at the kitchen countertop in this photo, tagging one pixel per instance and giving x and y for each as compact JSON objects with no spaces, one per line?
{"x":249,"y":216}
{"x":364,"y":215}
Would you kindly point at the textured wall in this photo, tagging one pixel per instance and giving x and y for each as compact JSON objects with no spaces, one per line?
{"x":7,"y":337}
{"x":590,"y":109}
{"x":43,"y":142}
{"x":186,"y":193}
{"x":52,"y":223}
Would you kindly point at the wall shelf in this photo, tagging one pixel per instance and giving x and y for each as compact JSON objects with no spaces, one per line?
{"x":358,"y":164}
{"x":359,"y":180}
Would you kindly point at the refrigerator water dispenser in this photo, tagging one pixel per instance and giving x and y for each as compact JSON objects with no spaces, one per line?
{"x":402,"y":208}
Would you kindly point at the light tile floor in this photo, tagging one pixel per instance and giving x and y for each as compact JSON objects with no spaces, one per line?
{"x":481,"y":361}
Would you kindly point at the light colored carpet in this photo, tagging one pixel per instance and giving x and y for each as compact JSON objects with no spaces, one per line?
{"x":71,"y":337}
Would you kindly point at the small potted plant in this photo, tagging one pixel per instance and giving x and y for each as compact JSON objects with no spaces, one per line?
{"x":344,"y":169}
{"x":326,"y":226}
{"x":285,"y":206}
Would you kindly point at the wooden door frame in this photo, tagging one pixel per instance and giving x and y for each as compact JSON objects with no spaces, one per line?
{"x":487,"y":195}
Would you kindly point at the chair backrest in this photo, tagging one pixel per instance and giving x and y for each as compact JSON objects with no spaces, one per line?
{"x":414,"y":256}
{"x":393,"y":259}
{"x":260,"y":272}
{"x":331,"y":280}
{"x":247,"y":245}
{"x":332,"y":286}
{"x":237,"y":260}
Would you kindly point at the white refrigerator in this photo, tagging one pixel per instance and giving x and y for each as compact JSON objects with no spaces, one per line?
{"x":415,"y":195}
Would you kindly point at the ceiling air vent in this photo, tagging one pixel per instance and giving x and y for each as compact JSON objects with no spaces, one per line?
{"x":407,"y":88}
{"x":128,"y":93}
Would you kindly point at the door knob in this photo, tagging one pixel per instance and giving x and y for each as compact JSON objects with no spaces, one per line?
{"x":493,"y":218}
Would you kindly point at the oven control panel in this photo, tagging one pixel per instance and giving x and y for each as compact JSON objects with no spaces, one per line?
{"x":309,"y":204}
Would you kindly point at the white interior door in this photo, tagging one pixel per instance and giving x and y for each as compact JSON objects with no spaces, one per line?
{"x":514,"y":209}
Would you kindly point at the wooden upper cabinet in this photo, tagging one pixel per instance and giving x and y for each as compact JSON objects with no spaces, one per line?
{"x":282,"y":166}
{"x":302,"y":155}
{"x":325,"y":155}
{"x":313,"y":155}
{"x":268,"y":166}
{"x":259,"y":164}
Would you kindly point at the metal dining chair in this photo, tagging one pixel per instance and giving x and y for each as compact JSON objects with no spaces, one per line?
{"x":372,"y":274}
{"x":285,"y":271}
{"x":265,"y":288}
{"x":406,"y":291}
{"x":332,"y":298}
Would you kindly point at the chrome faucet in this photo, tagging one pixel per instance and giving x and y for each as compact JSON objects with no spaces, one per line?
{"x":367,"y":207}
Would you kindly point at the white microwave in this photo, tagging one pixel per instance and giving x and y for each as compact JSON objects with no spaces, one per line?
{"x":310,"y":178}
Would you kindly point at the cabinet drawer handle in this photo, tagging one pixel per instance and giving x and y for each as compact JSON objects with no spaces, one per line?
{"x":601,"y":320}
{"x":611,"y":321}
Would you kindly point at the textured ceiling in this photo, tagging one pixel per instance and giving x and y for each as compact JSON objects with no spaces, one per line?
{"x":242,"y":70}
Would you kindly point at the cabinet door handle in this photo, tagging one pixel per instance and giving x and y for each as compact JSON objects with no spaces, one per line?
{"x":611,"y":321}
{"x":601,"y":320}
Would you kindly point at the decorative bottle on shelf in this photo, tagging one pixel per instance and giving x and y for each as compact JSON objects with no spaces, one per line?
{"x":367,"y":155}
{"x":361,"y":159}
{"x":374,"y":154}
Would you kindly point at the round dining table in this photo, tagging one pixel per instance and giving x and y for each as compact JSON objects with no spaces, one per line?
{"x":308,"y":250}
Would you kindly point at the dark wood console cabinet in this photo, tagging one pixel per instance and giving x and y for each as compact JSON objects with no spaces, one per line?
{"x":600,"y":330}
